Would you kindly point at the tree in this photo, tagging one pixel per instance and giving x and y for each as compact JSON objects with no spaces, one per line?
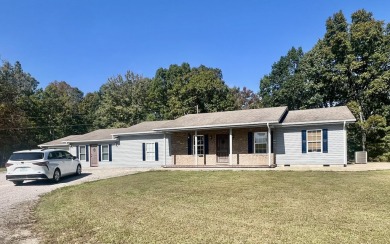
{"x":123,"y":101}
{"x":284,"y":86}
{"x":245,"y":98}
{"x":16,"y":87}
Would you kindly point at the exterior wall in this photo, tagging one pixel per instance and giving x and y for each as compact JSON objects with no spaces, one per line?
{"x":240,"y":148}
{"x":128,"y":152}
{"x":288,"y":146}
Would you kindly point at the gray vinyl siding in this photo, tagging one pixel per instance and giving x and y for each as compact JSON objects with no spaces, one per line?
{"x":288,"y":146}
{"x":128,"y":152}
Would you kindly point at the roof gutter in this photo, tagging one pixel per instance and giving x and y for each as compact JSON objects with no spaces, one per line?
{"x":109,"y":140}
{"x":137,"y":133}
{"x":317,"y":122}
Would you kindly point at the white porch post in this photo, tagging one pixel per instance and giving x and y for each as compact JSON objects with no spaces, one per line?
{"x":165,"y":149}
{"x":345,"y":143}
{"x":196,"y":147}
{"x":269,"y":145}
{"x":230,"y":146}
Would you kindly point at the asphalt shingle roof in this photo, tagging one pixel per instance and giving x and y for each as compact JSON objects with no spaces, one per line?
{"x":341,"y":113}
{"x":224,"y":119}
{"x":59,"y":141}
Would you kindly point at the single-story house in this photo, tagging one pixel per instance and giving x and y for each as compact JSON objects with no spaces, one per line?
{"x":244,"y":138}
{"x":261,"y":137}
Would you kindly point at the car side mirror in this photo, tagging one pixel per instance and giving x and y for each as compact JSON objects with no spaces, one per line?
{"x":74,"y":157}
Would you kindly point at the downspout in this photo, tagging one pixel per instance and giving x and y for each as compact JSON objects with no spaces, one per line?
{"x":165,"y":150}
{"x":196,"y":147}
{"x":345,"y":142}
{"x":269,"y":145}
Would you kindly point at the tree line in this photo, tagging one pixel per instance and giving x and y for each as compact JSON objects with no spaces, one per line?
{"x":348,"y":66}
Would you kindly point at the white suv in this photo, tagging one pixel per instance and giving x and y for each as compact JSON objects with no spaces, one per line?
{"x":41,"y":164}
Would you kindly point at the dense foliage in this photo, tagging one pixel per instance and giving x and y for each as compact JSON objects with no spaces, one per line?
{"x":349,"y":66}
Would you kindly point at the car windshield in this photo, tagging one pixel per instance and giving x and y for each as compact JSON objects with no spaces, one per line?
{"x":26,"y":156}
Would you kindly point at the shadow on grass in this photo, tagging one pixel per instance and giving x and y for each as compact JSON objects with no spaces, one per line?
{"x":65,"y":179}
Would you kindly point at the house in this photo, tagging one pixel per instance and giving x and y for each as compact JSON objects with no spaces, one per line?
{"x":260,"y":137}
{"x":245,"y":138}
{"x":136,"y":146}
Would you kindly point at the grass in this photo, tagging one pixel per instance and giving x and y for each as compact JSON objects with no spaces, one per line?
{"x":3,"y":169}
{"x":221,"y":206}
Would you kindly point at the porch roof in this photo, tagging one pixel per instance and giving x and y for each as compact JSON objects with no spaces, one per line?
{"x":319,"y":115}
{"x":228,"y":119}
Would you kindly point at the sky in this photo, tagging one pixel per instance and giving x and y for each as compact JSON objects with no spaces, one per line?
{"x":85,"y":42}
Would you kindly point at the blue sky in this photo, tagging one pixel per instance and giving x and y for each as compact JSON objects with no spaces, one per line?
{"x":84,"y":42}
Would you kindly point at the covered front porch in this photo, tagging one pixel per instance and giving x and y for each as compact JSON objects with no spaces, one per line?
{"x":231,"y":147}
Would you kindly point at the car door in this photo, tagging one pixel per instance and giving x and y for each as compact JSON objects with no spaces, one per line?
{"x":55,"y":159}
{"x":71,"y":164}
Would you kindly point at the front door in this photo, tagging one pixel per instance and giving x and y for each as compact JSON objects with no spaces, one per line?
{"x":94,"y":156}
{"x":223,"y":148}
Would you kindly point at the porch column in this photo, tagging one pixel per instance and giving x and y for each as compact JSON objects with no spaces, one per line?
{"x":196,"y":147}
{"x":230,"y":146}
{"x":269,"y":145}
{"x":165,"y":149}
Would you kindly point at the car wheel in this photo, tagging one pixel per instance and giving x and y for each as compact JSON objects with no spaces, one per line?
{"x":18,"y":182}
{"x":78,"y":170}
{"x":57,"y":176}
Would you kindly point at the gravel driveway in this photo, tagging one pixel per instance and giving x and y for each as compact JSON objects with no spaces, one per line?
{"x":17,"y":202}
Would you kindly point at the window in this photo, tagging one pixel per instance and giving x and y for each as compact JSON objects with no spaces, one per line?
{"x":314,"y":140}
{"x":105,"y":153}
{"x":82,"y":154}
{"x":260,"y":142}
{"x":26,"y":156}
{"x":149,"y":150}
{"x":200,"y":145}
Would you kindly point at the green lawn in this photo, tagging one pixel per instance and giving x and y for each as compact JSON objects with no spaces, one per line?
{"x":221,"y":206}
{"x":3,"y":169}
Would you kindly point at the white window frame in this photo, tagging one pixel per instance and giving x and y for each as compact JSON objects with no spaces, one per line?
{"x":199,"y":145}
{"x":307,"y":140}
{"x":108,"y":152}
{"x":148,"y":154}
{"x":266,"y":142}
{"x":85,"y":153}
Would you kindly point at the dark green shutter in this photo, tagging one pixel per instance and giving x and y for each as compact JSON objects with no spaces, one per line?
{"x":100,"y":153}
{"x":325,"y":140}
{"x":304,"y":141}
{"x":189,"y":144}
{"x":156,"y":151}
{"x":110,"y":153}
{"x":250,"y":142}
{"x":86,"y":153}
{"x":143,"y":152}
{"x":272,"y":142}
{"x":77,"y":152}
{"x":206,"y":144}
